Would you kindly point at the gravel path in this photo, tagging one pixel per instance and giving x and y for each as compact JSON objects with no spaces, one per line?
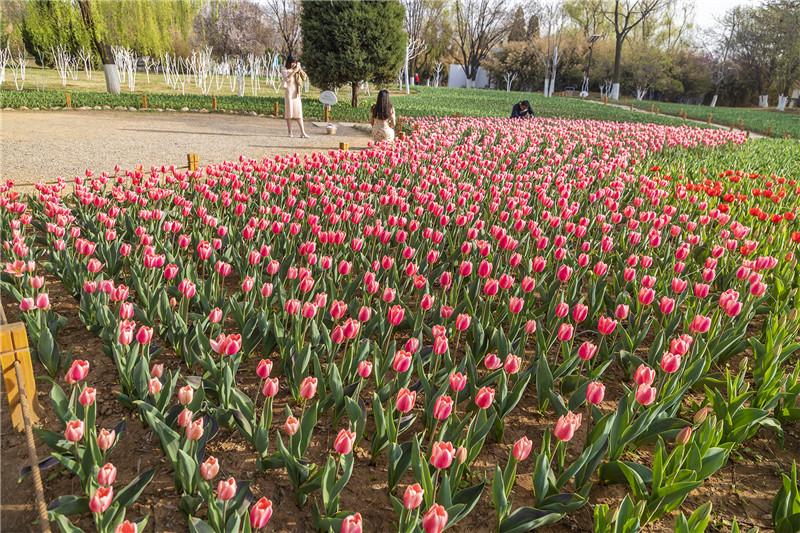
{"x":43,"y":145}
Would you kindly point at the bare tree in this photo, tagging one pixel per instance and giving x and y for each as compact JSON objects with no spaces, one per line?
{"x":480,"y":26}
{"x":414,"y":24}
{"x":287,"y":22}
{"x":552,"y":20}
{"x":722,"y":50}
{"x":104,"y":49}
{"x":624,"y":17}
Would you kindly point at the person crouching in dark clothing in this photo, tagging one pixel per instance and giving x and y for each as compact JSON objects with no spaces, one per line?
{"x":522,"y":110}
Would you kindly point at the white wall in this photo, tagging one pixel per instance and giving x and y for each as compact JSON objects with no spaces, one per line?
{"x":456,"y":77}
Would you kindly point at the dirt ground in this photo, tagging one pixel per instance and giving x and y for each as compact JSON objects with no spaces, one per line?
{"x":743,"y":489}
{"x":43,"y":145}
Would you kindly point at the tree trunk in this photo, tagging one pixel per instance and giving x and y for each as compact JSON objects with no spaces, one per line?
{"x":354,"y":94}
{"x":405,"y":70}
{"x":546,"y":87}
{"x":617,"y":66}
{"x":714,"y":100}
{"x":782,"y":101}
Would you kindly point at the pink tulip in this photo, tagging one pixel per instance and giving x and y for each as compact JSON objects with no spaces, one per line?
{"x":26,"y":304}
{"x":352,"y":524}
{"x":209,"y":468}
{"x":405,"y":400}
{"x":154,"y":386}
{"x":185,"y":395}
{"x":595,"y":392}
{"x":107,"y":474}
{"x":291,"y":425}
{"x":440,"y":345}
{"x":74,"y":431}
{"x":77,"y":371}
{"x":522,"y":448}
{"x":492,"y":362}
{"x":396,"y":315}
{"x":463,"y":322}
{"x":435,"y":520}
{"x":87,"y":397}
{"x":442,"y":454}
{"x":401,"y":362}
{"x":412,"y":497}
{"x":227,"y":344}
{"x":458,"y":381}
{"x":264,"y":368}
{"x":515,"y":305}
{"x":606,"y":326}
{"x":587,"y":351}
{"x":195,"y":430}
{"x":364,"y":369}
{"x":157,"y":370}
{"x":442,"y":408}
{"x":106,"y":439}
{"x":344,"y":442}
{"x":645,"y":394}
{"x":561,"y":309}
{"x":566,"y":425}
{"x":565,"y":332}
{"x":185,"y":418}
{"x":101,"y":499}
{"x":308,"y":387}
{"x":670,"y":362}
{"x":215,"y":316}
{"x":42,"y":301}
{"x":226,"y":489}
{"x":644,"y":375}
{"x":260,"y":513}
{"x":700,"y":324}
{"x":513,"y":364}
{"x":270,"y":387}
{"x":484,"y":397}
{"x":530,"y":327}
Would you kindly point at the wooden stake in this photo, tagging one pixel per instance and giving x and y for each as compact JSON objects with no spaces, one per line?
{"x":344,"y":147}
{"x":144,"y":101}
{"x":275,"y":109}
{"x":326,"y":113}
{"x":69,"y":100}
{"x":192,"y":162}
{"x":709,"y":117}
{"x":214,"y":103}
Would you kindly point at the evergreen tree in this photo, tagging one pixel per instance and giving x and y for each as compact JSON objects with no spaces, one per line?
{"x":517,"y":32}
{"x":533,"y":27}
{"x":345,"y":43}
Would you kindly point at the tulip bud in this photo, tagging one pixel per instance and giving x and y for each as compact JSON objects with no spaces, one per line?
{"x":209,"y":468}
{"x":107,"y":474}
{"x":106,"y":439}
{"x":522,"y":448}
{"x":344,"y":442}
{"x":226,"y":489}
{"x":260,"y":513}
{"x":291,"y":426}
{"x":412,"y":498}
{"x":683,"y":435}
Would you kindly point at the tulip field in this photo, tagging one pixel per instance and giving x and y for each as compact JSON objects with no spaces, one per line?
{"x":488,"y":325}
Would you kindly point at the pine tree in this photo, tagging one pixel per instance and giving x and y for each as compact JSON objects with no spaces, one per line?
{"x":345,"y":43}
{"x":517,"y":31}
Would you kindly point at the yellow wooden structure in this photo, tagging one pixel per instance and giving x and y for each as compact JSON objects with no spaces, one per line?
{"x":14,"y":347}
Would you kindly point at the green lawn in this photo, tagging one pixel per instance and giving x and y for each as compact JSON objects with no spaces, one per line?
{"x":424,"y":101}
{"x":765,"y":121}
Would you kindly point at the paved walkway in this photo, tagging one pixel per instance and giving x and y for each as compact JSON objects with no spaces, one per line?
{"x":753,"y":135}
{"x":43,"y":145}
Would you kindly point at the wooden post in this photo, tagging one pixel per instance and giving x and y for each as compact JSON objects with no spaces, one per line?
{"x":709,"y":117}
{"x":326,"y":113}
{"x":69,"y":100}
{"x":192,"y":160}
{"x":769,"y":131}
{"x":344,"y":147}
{"x":275,"y":109}
{"x":144,"y":101}
{"x":214,"y":103}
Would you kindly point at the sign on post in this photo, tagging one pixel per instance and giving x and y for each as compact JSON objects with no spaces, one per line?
{"x":327,"y":98}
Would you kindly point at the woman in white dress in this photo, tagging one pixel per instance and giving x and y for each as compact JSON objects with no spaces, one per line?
{"x":293,"y":80}
{"x":383,"y":118}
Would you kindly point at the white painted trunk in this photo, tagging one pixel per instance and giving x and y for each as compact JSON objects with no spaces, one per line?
{"x":240,"y":85}
{"x":547,"y":87}
{"x":714,"y":100}
{"x":640,"y":93}
{"x":112,"y":78}
{"x":782,"y":101}
{"x":405,"y":72}
{"x":585,"y":87}
{"x":763,"y":100}
{"x":795,"y":98}
{"x":615,"y":91}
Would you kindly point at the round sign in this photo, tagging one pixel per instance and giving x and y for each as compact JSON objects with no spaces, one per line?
{"x":327,"y":98}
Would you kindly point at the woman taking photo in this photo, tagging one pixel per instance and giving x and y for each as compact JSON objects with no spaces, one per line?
{"x":293,"y":80}
{"x":383,"y":119}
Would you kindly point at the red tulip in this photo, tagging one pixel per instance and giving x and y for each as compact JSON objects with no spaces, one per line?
{"x":566,"y":425}
{"x":127,"y":527}
{"x":364,"y":369}
{"x":595,"y":392}
{"x":77,"y":371}
{"x":513,"y":364}
{"x":565,"y":332}
{"x":396,"y":315}
{"x":700,"y":324}
{"x":670,"y":362}
{"x":458,"y":381}
{"x":644,"y":375}
{"x":442,"y":408}
{"x":401,"y":362}
{"x":606,"y":326}
{"x":264,"y":368}
{"x":344,"y":442}
{"x":645,"y":394}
